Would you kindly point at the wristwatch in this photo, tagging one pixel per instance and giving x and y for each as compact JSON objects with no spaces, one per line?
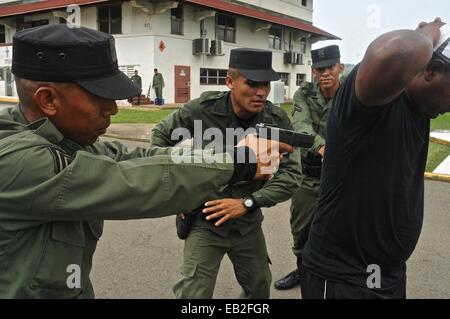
{"x":250,"y":203}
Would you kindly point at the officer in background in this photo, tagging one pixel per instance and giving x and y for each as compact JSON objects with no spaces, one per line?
{"x":137,"y":80}
{"x":59,"y":182}
{"x":312,"y":103}
{"x":158,"y":85}
{"x":234,"y":226}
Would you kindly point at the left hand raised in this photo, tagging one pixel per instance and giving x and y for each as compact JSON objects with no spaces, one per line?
{"x":227,"y":208}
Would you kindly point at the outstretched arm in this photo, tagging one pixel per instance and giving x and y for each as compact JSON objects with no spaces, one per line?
{"x":393,"y":60}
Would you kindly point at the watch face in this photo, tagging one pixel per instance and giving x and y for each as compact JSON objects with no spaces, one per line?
{"x":248,"y":203}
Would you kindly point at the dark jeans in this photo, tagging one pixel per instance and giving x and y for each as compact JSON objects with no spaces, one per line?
{"x":314,"y":287}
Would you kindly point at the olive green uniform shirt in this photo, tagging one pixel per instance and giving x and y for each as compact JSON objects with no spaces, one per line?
{"x":55,"y":194}
{"x":136,"y":79}
{"x":310,"y":115}
{"x":158,"y":81}
{"x":214,"y":110}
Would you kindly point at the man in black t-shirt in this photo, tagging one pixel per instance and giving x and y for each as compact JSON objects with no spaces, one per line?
{"x":370,"y":210}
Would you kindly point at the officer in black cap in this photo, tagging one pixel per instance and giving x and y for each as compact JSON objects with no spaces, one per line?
{"x":312,"y":103}
{"x":59,"y":182}
{"x":233,"y":226}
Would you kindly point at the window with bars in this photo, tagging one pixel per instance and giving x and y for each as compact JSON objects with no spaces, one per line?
{"x":110,"y":19}
{"x":213,"y":76}
{"x":284,"y":77}
{"x":275,"y":38}
{"x":300,"y":78}
{"x":128,"y":69}
{"x":226,"y":28}
{"x":176,"y":20}
{"x":21,"y":24}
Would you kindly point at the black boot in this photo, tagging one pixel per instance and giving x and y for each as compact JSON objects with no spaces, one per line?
{"x":289,"y":281}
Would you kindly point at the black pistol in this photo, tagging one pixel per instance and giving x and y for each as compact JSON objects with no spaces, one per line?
{"x":285,"y":136}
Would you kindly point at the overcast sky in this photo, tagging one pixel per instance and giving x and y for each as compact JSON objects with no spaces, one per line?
{"x":359,"y":22}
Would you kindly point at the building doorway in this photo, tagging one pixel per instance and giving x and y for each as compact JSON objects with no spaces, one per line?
{"x":182,"y":83}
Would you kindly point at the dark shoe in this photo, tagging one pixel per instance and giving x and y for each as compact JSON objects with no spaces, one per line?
{"x":288,"y":282}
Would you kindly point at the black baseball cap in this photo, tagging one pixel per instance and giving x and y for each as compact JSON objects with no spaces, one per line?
{"x":253,"y":64}
{"x":325,"y":57}
{"x":61,"y":53}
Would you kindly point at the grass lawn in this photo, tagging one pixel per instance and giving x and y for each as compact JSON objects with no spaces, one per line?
{"x":436,"y":154}
{"x":137,"y":116}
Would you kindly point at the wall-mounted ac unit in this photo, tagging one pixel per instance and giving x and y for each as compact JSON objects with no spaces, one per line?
{"x":216,"y":47}
{"x":200,"y":46}
{"x":289,"y":57}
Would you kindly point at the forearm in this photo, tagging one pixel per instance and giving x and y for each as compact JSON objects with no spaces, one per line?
{"x":139,"y":188}
{"x":283,"y":185}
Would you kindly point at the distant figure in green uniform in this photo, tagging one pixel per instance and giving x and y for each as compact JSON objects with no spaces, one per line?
{"x":59,"y":182}
{"x":233,"y":226}
{"x":137,"y":80}
{"x":158,"y":85}
{"x":312,"y":103}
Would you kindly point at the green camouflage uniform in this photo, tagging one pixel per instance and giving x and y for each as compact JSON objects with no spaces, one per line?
{"x":158,"y":85}
{"x":137,"y":80}
{"x":242,"y":238}
{"x":55,"y":194}
{"x":310,"y":115}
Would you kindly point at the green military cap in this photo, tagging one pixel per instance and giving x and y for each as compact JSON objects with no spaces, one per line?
{"x":325,"y":57}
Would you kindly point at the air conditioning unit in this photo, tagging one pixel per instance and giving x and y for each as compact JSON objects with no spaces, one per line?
{"x":289,"y":57}
{"x":216,"y":47}
{"x":298,"y":58}
{"x":200,"y":46}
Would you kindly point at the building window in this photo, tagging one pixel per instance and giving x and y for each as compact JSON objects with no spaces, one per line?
{"x":213,"y":76}
{"x":303,"y":45}
{"x":300,"y":78}
{"x":226,"y":28}
{"x":21,"y":24}
{"x":275,"y":36}
{"x":2,"y":34}
{"x":128,"y":70}
{"x":110,"y":19}
{"x":176,"y":20}
{"x":284,"y":77}
{"x":305,"y":3}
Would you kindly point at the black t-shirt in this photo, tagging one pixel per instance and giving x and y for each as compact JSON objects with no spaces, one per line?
{"x":370,"y":209}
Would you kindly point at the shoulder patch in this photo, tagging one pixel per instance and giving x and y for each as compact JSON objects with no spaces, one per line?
{"x":60,"y":158}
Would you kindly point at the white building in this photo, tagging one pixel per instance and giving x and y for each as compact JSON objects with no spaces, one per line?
{"x":188,"y":41}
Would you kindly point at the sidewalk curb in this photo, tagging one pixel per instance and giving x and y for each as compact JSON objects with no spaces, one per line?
{"x":439,"y":141}
{"x":119,"y":137}
{"x":7,"y":99}
{"x":437,"y":177}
